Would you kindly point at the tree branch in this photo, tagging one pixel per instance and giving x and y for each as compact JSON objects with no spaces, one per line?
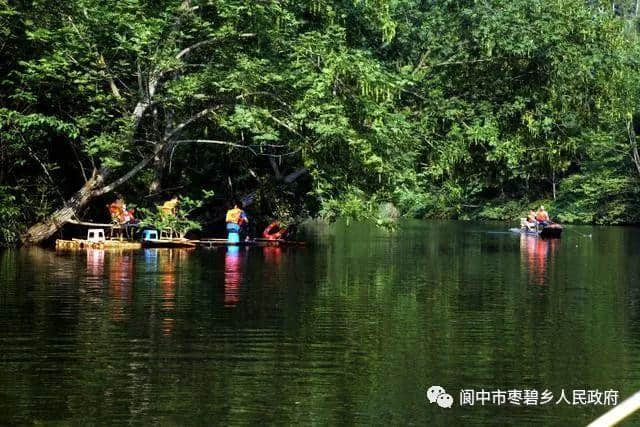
{"x":124,"y":178}
{"x":188,"y":49}
{"x":173,"y":132}
{"x":286,"y":126}
{"x":146,"y":101}
{"x":235,"y":145}
{"x":275,"y":168}
{"x":472,"y":61}
{"x":244,"y":95}
{"x":635,"y":156}
{"x":295,"y":175}
{"x":217,"y":142}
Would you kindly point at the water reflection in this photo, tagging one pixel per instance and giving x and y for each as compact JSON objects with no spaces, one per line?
{"x":272,"y":254}
{"x":168,"y":262}
{"x":151,"y":259}
{"x":343,"y":333}
{"x":95,"y":275}
{"x":121,"y":278}
{"x":95,"y":262}
{"x":537,"y":254}
{"x":232,"y":276}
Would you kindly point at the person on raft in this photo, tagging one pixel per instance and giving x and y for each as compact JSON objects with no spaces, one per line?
{"x":542,"y":216}
{"x":170,"y":206}
{"x":236,"y":218}
{"x":274,"y":231}
{"x":119,"y":212}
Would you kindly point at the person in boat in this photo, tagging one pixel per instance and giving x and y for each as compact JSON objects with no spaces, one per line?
{"x":530,"y":222}
{"x":542,"y":216}
{"x":236,"y":218}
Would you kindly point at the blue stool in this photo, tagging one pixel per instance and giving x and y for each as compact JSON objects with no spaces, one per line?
{"x":150,"y":235}
{"x":233,"y":237}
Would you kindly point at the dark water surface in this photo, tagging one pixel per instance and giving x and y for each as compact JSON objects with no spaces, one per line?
{"x":350,"y":330}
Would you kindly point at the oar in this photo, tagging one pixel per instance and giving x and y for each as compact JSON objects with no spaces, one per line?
{"x":619,"y":412}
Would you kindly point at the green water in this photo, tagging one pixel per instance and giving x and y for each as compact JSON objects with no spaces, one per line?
{"x":350,"y":330}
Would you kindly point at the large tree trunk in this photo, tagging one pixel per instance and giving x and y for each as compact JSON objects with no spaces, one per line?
{"x":636,"y":157}
{"x":45,"y":229}
{"x":633,"y":141}
{"x":159,"y":165}
{"x":97,"y":185}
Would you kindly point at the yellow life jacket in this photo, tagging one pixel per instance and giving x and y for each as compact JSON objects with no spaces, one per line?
{"x":170,"y":204}
{"x":234,"y":215}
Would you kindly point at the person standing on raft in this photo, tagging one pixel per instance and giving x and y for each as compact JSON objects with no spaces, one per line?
{"x":236,"y":218}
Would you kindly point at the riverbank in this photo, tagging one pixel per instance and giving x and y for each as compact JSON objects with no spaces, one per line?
{"x":560,"y":210}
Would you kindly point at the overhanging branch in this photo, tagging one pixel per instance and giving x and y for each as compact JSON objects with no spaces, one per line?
{"x":184,"y":52}
{"x":216,"y":142}
{"x":173,"y":132}
{"x":124,"y":178}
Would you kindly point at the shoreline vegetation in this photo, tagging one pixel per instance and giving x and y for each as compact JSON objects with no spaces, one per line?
{"x":365,"y":110}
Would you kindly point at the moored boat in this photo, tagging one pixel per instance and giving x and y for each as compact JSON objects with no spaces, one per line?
{"x":550,"y":231}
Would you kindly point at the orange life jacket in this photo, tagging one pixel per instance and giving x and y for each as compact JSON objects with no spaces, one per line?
{"x":542,"y":216}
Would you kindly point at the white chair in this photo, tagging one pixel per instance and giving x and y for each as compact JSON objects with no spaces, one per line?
{"x":95,"y":235}
{"x":166,"y":234}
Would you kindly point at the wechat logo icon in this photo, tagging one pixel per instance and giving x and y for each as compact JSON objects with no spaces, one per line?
{"x":437,"y":394}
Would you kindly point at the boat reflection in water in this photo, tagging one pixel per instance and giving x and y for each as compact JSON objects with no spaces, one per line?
{"x":121,"y":278}
{"x":233,"y":275}
{"x":537,"y":253}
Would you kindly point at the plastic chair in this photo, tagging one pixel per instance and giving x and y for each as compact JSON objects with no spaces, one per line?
{"x":150,"y":235}
{"x":95,"y":235}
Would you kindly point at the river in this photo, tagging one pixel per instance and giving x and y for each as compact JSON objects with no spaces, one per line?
{"x":352,"y":329}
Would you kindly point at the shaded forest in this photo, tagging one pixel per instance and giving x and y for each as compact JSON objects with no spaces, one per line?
{"x":445,"y":109}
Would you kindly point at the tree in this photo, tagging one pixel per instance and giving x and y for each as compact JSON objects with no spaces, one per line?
{"x":317,"y":107}
{"x":132,"y":93}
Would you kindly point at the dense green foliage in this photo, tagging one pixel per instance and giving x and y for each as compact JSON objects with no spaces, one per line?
{"x":332,"y":108}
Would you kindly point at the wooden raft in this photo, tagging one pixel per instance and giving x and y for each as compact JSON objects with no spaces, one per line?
{"x":208,"y":243}
{"x":169,"y":243}
{"x":107,"y":244}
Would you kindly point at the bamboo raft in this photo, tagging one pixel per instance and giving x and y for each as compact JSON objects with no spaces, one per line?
{"x":80,"y":244}
{"x":208,"y":243}
{"x":107,"y":244}
{"x":169,"y":243}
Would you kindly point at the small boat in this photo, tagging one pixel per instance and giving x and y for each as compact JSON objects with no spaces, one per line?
{"x":550,"y":231}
